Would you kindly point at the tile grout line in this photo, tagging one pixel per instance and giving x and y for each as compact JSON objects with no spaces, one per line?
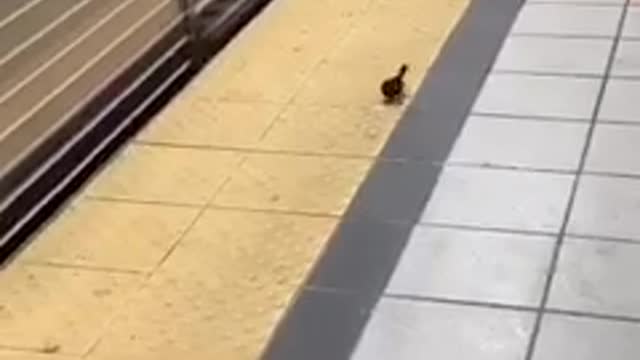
{"x":618,"y":122}
{"x":477,"y":228}
{"x":502,"y":306}
{"x":593,"y":315}
{"x":577,"y":236}
{"x":623,"y":38}
{"x":133,"y":201}
{"x":276,"y":152}
{"x":530,"y":351}
{"x":252,"y":150}
{"x":211,"y":207}
{"x":611,"y":239}
{"x":502,"y":167}
{"x":458,"y":301}
{"x":545,"y":118}
{"x":511,"y":116}
{"x":615,"y":175}
{"x":593,"y":3}
{"x":564,"y":36}
{"x":84,"y":267}
{"x":529,"y":169}
{"x":561,"y":74}
{"x":545,"y":73}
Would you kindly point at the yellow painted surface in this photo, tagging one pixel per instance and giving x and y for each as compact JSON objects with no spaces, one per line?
{"x":221,"y":292}
{"x":194,"y":240}
{"x":346,"y":131}
{"x":212,"y":123}
{"x":59,"y":308}
{"x":27,"y":355}
{"x":96,"y":233}
{"x":165,"y":174}
{"x":309,"y":184}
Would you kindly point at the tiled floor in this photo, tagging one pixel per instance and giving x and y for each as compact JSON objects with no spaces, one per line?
{"x":530,"y":245}
{"x":211,"y":219}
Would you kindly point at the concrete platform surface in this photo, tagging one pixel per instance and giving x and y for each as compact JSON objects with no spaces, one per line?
{"x":194,"y":240}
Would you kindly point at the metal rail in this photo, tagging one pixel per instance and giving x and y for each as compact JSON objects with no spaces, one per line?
{"x":82,"y":80}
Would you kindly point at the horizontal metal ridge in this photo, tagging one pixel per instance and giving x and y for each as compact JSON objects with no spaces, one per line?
{"x":52,"y":145}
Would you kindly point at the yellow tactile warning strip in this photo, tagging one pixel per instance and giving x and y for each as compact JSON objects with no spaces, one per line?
{"x":194,"y":239}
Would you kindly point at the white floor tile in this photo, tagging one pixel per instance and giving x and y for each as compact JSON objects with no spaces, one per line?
{"x":608,"y":207}
{"x":563,"y":337}
{"x":499,"y":199}
{"x":531,"y":95}
{"x":554,"y":55}
{"x":620,"y":101}
{"x":474,"y":265}
{"x":614,"y":149}
{"x":405,"y":330}
{"x":598,"y":277}
{"x":567,"y":19}
{"x":520,"y":143}
{"x":627,"y":59}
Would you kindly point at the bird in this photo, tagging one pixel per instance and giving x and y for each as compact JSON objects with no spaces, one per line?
{"x":393,"y":87}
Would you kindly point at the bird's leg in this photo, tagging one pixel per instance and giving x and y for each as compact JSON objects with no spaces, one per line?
{"x":406,"y":93}
{"x":389,"y":101}
{"x":401,"y":97}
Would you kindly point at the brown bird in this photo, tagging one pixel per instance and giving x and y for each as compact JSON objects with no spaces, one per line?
{"x":393,"y":88}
